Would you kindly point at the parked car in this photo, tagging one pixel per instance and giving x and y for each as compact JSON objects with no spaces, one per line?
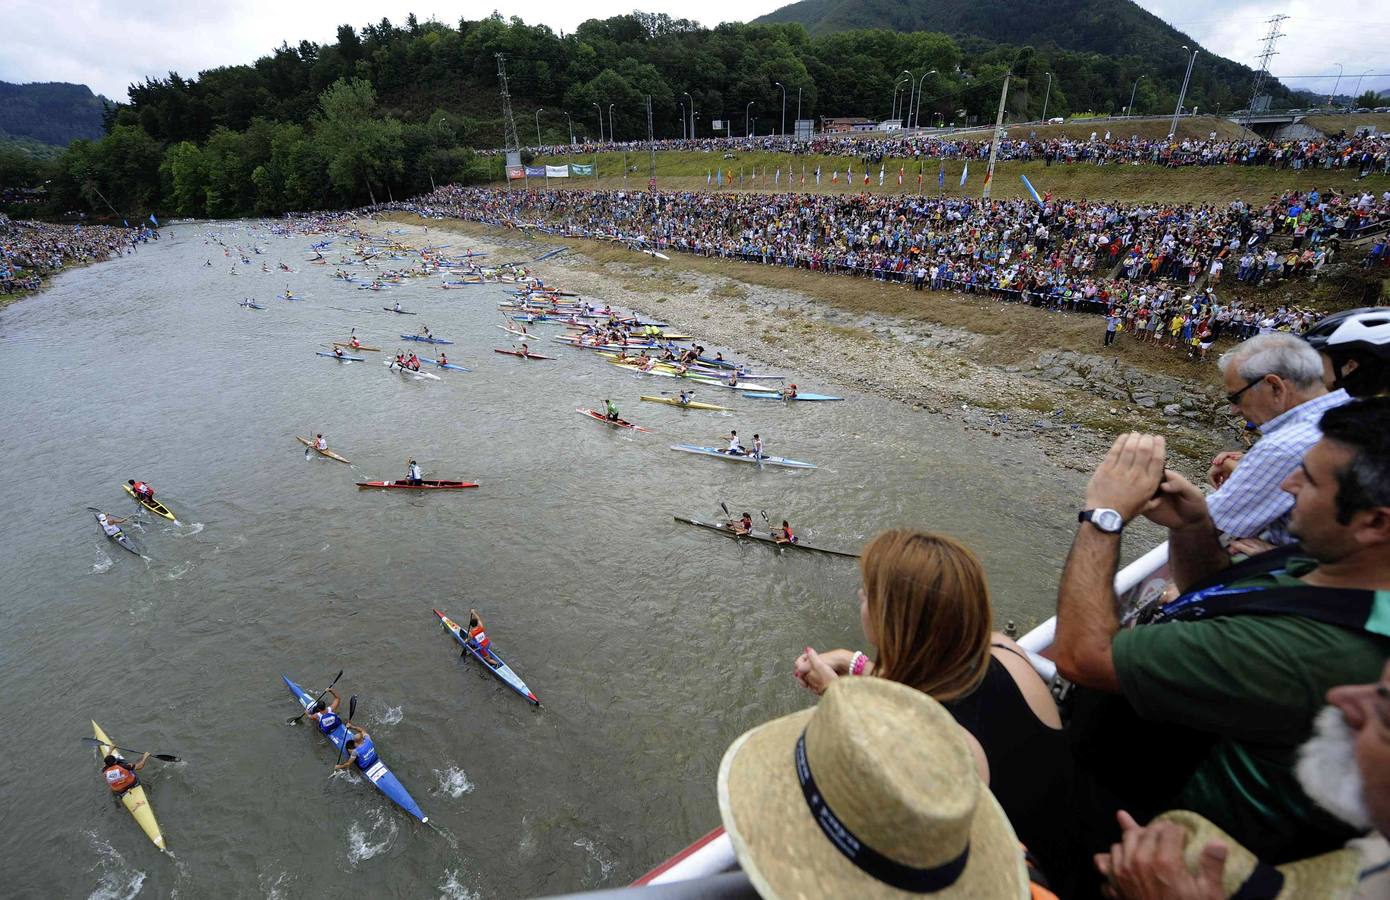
{"x":1056,"y":120}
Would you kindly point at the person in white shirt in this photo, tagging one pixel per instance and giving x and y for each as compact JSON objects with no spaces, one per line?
{"x":735,"y":447}
{"x":109,"y":524}
{"x":320,"y":444}
{"x":413,"y":473}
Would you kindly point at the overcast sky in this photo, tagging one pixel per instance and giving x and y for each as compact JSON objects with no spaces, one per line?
{"x":108,"y":44}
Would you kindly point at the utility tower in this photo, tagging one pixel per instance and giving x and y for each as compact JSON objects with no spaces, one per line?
{"x":512,"y":141}
{"x":651,"y":146}
{"x":1265,"y":56}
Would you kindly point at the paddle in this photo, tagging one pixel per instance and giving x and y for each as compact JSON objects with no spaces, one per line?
{"x":294,"y":719}
{"x":162,"y":757}
{"x":352,"y":710}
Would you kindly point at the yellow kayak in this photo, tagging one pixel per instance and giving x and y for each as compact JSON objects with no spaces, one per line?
{"x":134,"y":799}
{"x":153,"y":506}
{"x":671,"y":401}
{"x":328,"y":453}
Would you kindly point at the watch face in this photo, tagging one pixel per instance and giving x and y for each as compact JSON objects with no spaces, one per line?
{"x":1107,"y":520}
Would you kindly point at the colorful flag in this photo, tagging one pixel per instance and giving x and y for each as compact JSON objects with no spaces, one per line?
{"x":901,"y":173}
{"x":1034,"y":194}
{"x":965,"y":173}
{"x":835,"y":176}
{"x":709,"y":177}
{"x":817,"y":176}
{"x":880,"y":175}
{"x":988,"y":176}
{"x":941,"y":175}
{"x":777,"y":181}
{"x":719,"y":178}
{"x":154,"y":220}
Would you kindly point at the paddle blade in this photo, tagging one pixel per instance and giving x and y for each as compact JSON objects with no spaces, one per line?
{"x":165,"y":757}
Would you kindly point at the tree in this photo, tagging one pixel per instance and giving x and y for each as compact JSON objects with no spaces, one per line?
{"x":361,"y":149}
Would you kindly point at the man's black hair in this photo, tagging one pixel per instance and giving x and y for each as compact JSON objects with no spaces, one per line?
{"x":1363,"y":427}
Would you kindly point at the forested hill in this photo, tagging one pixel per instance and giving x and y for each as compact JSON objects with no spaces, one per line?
{"x":53,"y":113}
{"x":1114,"y":28}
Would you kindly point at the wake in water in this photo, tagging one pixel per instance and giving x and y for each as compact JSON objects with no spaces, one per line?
{"x":178,"y":571}
{"x":102,"y":564}
{"x":596,"y":858}
{"x":453,"y":782}
{"x":373,"y":840}
{"x":453,"y":888}
{"x":392,"y":715}
{"x":117,"y":879}
{"x":191,"y":529}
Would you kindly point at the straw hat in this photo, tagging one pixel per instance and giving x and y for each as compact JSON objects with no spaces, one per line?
{"x":899,"y":809}
{"x":1328,"y":877}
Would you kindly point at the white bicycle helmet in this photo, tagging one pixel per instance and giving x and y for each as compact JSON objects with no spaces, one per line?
{"x":1361,"y":336}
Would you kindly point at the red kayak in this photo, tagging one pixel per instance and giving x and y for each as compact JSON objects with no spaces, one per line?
{"x":422,"y":486}
{"x":595,"y":414}
{"x":523,"y":355}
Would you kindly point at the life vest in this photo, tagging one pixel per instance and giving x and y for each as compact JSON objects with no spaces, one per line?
{"x":479,"y":637}
{"x":787,"y":533}
{"x":142,"y":489}
{"x":328,"y":721}
{"x":366,"y":753}
{"x":119,"y":778}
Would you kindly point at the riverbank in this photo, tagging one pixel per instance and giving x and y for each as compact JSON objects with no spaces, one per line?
{"x":1014,"y":372}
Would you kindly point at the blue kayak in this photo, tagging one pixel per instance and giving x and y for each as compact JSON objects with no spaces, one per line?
{"x":773,"y":395}
{"x":344,"y":357}
{"x":424,"y":340}
{"x":736,"y":457}
{"x":435,"y":362}
{"x":378,"y":774}
{"x":503,"y":671}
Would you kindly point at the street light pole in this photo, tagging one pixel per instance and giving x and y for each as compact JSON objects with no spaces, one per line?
{"x":746,"y":110}
{"x":784,"y":107}
{"x":798,"y":104}
{"x":1177,"y":111}
{"x":691,"y":109}
{"x":917,"y":107}
{"x":538,"y":127}
{"x":1047,"y":96}
{"x":682,"y":106}
{"x":1129,"y":110}
{"x":600,"y":121}
{"x":611,"y":138}
{"x":1331,"y":97}
{"x":911,"y":83}
{"x":571,"y":124}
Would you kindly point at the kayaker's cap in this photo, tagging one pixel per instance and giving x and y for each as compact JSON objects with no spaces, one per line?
{"x":1332,"y":874}
{"x":873,"y":792}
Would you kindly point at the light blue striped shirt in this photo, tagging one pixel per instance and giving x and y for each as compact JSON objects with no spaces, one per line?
{"x":1251,"y":503}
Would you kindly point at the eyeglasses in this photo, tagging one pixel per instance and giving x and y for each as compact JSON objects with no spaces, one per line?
{"x":1234,"y":398}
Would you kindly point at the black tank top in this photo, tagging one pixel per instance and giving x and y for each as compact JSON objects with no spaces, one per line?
{"x":1030,"y":771}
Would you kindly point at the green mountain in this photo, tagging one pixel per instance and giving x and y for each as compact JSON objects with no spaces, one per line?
{"x":54,"y":113}
{"x":1118,"y":29}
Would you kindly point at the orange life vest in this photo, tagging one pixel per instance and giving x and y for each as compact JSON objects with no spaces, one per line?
{"x":119,"y":778}
{"x":479,"y":637}
{"x":141,"y":488}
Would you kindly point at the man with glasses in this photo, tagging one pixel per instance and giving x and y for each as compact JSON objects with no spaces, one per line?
{"x":1275,"y":381}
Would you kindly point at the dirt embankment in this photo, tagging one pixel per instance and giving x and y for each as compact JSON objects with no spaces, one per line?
{"x":1011,"y":371}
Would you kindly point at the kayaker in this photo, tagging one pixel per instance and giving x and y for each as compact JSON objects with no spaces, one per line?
{"x":525,"y":350}
{"x":397,"y":307}
{"x":735,"y":447}
{"x":757,"y":451}
{"x":338,"y":352}
{"x":109,"y":523}
{"x":478,"y":637}
{"x":120,"y":775}
{"x":743,"y":526}
{"x":733,"y":378}
{"x":142,"y":491}
{"x":360,"y":749}
{"x":443,"y":358}
{"x":414,"y":363}
{"x":611,"y":411}
{"x":684,"y":398}
{"x":784,"y":534}
{"x":320,"y":444}
{"x":325,"y":715}
{"x":357,"y":345}
{"x":425,"y":332}
{"x":413,"y":475}
{"x":789,"y":393}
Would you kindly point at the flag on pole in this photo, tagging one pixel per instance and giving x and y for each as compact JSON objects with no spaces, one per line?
{"x":965,"y":173}
{"x":719,"y":178}
{"x":709,"y":178}
{"x":1034,"y":194}
{"x":777,"y":179}
{"x":941,"y":175}
{"x":835,"y":176}
{"x":849,"y":179}
{"x":988,"y":176}
{"x":156,"y":221}
{"x":901,"y":173}
{"x":880,"y":175}
{"x":817,"y":176}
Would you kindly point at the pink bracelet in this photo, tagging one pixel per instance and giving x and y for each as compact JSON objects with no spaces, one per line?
{"x":857,"y":663}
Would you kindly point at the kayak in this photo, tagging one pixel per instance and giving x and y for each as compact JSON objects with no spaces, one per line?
{"x":360,"y":348}
{"x":328,"y":453}
{"x":250,"y":305}
{"x":595,"y":414}
{"x":435,"y":362}
{"x":424,"y":340}
{"x":391,"y":364}
{"x":401,"y":311}
{"x":384,"y":779}
{"x":762,"y":538}
{"x":773,"y":395}
{"x":672,"y":401}
{"x":134,"y":799}
{"x":522,"y":355}
{"x":287,"y":297}
{"x":424,"y":485}
{"x":732,"y":457}
{"x":517,"y":332}
{"x":344,"y":358}
{"x":503,"y":671}
{"x":152,"y":505}
{"x":119,"y":537}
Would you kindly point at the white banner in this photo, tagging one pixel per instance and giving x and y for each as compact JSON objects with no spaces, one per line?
{"x":557,"y":171}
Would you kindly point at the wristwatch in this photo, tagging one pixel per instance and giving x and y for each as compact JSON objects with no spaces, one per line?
{"x":1107,"y":520}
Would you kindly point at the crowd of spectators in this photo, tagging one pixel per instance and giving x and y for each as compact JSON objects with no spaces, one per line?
{"x":31,"y":251}
{"x":1153,"y":269}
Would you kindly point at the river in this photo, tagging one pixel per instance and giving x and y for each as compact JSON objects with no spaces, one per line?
{"x":652,"y":644}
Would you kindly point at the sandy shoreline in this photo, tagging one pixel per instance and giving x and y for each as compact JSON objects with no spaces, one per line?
{"x":1068,"y":405}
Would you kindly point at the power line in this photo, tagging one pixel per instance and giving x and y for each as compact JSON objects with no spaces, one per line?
{"x":1268,"y":53}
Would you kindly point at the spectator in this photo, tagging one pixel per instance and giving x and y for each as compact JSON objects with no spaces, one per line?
{"x":1355,"y":348}
{"x":925,"y":606}
{"x":1212,"y":699}
{"x":1275,"y":381}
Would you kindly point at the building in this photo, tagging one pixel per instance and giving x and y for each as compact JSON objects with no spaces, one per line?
{"x":847,"y":124}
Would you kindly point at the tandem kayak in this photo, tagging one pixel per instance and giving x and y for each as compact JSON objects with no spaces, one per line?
{"x":733,"y":457}
{"x":152,"y":505}
{"x":767,"y":538}
{"x":119,"y":537}
{"x":400,"y":311}
{"x":328,"y":453}
{"x":424,"y":340}
{"x":249,"y":305}
{"x":425,"y":485}
{"x":379,"y":775}
{"x":503,"y":671}
{"x":620,"y":423}
{"x":391,"y":364}
{"x":773,"y":395}
{"x":435,"y":362}
{"x":672,"y":401}
{"x":134,"y":799}
{"x":360,"y":348}
{"x":522,"y":355}
{"x":344,"y":358}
